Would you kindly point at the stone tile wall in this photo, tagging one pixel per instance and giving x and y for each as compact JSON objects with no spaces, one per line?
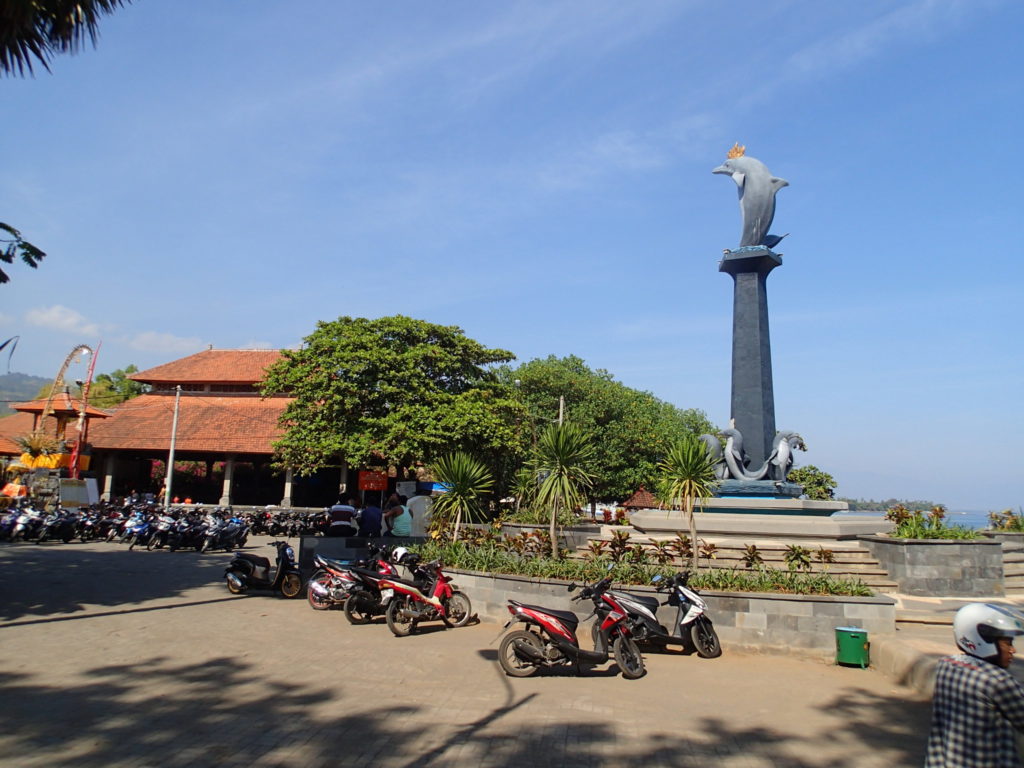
{"x":941,"y":567}
{"x":762,"y":621}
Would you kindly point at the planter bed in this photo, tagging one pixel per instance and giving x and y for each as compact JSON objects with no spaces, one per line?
{"x":742,"y":619}
{"x":941,"y":567}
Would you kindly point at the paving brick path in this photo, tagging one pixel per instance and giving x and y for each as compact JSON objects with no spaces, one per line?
{"x":117,"y":658}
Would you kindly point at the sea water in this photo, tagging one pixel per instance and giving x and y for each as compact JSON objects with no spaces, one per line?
{"x":968,"y":518}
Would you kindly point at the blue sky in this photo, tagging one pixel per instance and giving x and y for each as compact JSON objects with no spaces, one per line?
{"x":539,"y":174}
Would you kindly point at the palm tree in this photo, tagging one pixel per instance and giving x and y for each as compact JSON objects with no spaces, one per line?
{"x":39,"y":29}
{"x":467,"y":480}
{"x":562,"y":457}
{"x":687,"y":478}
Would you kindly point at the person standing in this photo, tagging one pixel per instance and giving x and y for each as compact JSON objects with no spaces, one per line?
{"x":343,"y":519}
{"x":978,"y":706}
{"x":399,"y":521}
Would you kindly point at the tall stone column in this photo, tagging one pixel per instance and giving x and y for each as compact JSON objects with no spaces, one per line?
{"x":229,"y":474}
{"x":753,"y":399}
{"x":288,"y":479}
{"x":110,"y":467}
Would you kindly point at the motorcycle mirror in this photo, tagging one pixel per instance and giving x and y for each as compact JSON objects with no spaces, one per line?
{"x":572,"y":587}
{"x":656,"y":579}
{"x":610,"y":566}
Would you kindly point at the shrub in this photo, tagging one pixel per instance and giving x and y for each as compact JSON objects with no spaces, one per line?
{"x":489,"y":558}
{"x":1006,"y":520}
{"x":917,"y":525}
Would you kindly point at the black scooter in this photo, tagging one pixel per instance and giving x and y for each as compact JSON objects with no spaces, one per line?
{"x":253,"y":572}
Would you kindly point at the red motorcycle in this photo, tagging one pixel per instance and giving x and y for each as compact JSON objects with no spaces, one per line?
{"x":333,"y":580}
{"x":430,"y":596}
{"x":548,"y":638}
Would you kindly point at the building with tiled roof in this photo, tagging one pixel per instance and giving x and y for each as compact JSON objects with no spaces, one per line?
{"x":223,"y":441}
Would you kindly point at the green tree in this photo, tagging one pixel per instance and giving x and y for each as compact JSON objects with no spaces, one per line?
{"x":636,"y":428}
{"x":467,"y":481}
{"x":36,"y":30}
{"x":562,"y":459}
{"x":15,"y":246}
{"x":391,"y":391}
{"x":687,"y":478}
{"x":107,"y":390}
{"x":818,"y":485}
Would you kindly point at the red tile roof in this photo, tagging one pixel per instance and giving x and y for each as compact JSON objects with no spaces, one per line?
{"x":12,"y":426}
{"x":642,"y":499}
{"x":63,"y":403}
{"x":213,"y":366}
{"x":217,"y":424}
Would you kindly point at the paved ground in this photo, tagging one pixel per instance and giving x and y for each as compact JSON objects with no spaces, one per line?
{"x":117,"y":658}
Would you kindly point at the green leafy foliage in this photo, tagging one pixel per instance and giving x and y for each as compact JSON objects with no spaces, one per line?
{"x":35,"y":30}
{"x":391,"y":391}
{"x":686,"y":478}
{"x":13,"y":245}
{"x":797,"y":558}
{"x":917,"y":525}
{"x":491,"y":557}
{"x":562,"y":459}
{"x":635,"y":427}
{"x":466,"y":480}
{"x":1007,"y":520}
{"x":752,"y":557}
{"x":818,"y":485}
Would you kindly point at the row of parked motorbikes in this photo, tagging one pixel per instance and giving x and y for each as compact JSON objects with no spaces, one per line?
{"x":544,"y":638}
{"x":151,"y":526}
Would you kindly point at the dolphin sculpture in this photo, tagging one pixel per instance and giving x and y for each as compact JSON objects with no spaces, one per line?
{"x":757,"y":188}
{"x":714,"y":448}
{"x":776,"y":466}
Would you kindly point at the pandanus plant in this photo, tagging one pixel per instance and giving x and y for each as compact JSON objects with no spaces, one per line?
{"x":466,"y":481}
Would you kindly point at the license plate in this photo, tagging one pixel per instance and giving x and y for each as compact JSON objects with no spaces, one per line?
{"x":386,"y":594}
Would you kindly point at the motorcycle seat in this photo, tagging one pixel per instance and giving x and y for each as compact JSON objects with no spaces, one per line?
{"x":568,"y":617}
{"x":334,"y":562}
{"x":651,"y":602}
{"x":259,"y":562}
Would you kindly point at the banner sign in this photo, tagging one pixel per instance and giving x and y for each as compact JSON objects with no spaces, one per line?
{"x":372,"y":481}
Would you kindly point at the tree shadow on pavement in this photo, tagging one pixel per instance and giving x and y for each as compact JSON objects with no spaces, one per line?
{"x":45,"y":580}
{"x":224,"y":712}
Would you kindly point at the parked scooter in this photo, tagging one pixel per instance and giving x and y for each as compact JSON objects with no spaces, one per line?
{"x":691,"y":629}
{"x":430,"y":597}
{"x":247,"y":572}
{"x":548,"y":638}
{"x":333,"y":580}
{"x":366,"y":598}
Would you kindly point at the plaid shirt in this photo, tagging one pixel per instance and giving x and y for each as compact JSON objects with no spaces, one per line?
{"x":977,"y":707}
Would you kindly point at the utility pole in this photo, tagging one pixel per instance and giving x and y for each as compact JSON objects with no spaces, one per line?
{"x":561,"y":409}
{"x":170,"y":457}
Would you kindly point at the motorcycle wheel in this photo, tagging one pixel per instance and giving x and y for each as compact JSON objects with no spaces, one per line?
{"x":400,"y":621}
{"x":291,"y":585}
{"x":628,"y":657}
{"x":459,"y":609}
{"x":205,"y":546}
{"x":234,"y":590}
{"x":510,"y":661}
{"x":152,"y":544}
{"x":316,"y":602}
{"x":356,"y":610}
{"x":131,"y":542}
{"x":705,"y":639}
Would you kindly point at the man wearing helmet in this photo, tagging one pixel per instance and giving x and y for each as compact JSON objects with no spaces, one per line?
{"x":978,"y":704}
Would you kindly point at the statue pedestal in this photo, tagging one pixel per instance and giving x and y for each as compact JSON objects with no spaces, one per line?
{"x":762,"y":489}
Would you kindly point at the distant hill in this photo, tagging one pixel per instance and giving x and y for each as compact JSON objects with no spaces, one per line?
{"x":17,"y":388}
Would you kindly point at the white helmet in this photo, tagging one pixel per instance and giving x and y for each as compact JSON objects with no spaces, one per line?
{"x":399,"y":554}
{"x":977,"y":625}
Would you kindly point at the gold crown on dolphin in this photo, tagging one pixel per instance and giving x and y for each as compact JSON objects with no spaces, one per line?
{"x":737,"y":151}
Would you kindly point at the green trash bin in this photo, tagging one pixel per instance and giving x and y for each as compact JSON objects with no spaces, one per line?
{"x":852,"y":647}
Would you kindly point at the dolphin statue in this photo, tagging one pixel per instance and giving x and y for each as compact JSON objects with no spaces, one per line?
{"x":757,"y":188}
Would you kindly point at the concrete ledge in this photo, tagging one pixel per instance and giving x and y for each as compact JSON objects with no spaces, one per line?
{"x":948,"y":567}
{"x":716,"y":522}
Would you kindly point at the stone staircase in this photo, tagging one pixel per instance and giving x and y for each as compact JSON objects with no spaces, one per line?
{"x":1013,"y":568}
{"x":850,"y":558}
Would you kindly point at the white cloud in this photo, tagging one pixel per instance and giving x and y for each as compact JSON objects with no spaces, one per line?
{"x":60,"y":318}
{"x":165,"y":343}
